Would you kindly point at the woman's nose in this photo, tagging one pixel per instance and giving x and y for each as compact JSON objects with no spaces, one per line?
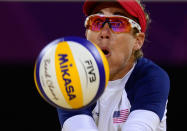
{"x":105,"y":32}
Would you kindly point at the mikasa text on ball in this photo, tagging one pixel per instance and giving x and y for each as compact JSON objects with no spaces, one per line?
{"x":71,"y":73}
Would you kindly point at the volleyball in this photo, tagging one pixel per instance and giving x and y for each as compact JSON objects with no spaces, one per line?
{"x":71,"y":73}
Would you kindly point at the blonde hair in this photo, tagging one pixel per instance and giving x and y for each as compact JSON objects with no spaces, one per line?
{"x":139,"y":53}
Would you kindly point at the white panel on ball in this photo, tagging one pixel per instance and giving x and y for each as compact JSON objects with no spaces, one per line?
{"x":49,"y":80}
{"x":84,"y":66}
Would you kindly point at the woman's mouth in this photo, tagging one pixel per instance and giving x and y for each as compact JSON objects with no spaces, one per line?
{"x":106,"y":52}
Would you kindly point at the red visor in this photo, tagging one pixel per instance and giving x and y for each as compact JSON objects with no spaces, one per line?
{"x":131,"y":6}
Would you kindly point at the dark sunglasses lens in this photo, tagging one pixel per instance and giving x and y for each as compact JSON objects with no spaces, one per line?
{"x":120,"y":25}
{"x":117,"y":24}
{"x":96,"y":23}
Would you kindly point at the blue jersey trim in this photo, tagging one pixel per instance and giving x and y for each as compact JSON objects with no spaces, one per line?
{"x":63,"y":115}
{"x":148,"y":87}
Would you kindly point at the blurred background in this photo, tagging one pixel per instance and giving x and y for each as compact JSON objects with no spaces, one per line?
{"x":26,"y":27}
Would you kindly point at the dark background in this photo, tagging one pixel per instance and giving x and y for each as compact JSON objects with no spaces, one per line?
{"x":26,"y":27}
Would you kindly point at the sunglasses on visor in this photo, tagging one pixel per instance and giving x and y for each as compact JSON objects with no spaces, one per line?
{"x":118,"y":24}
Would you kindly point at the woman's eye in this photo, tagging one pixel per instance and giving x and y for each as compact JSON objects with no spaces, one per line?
{"x":98,"y":22}
{"x":117,"y":24}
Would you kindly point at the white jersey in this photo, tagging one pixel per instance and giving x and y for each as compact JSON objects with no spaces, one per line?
{"x":116,"y":110}
{"x":113,"y":108}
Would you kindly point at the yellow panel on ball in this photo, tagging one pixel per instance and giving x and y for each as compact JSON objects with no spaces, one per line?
{"x":68,"y":76}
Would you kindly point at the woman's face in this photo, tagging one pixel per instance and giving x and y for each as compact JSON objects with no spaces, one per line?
{"x":120,"y":46}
